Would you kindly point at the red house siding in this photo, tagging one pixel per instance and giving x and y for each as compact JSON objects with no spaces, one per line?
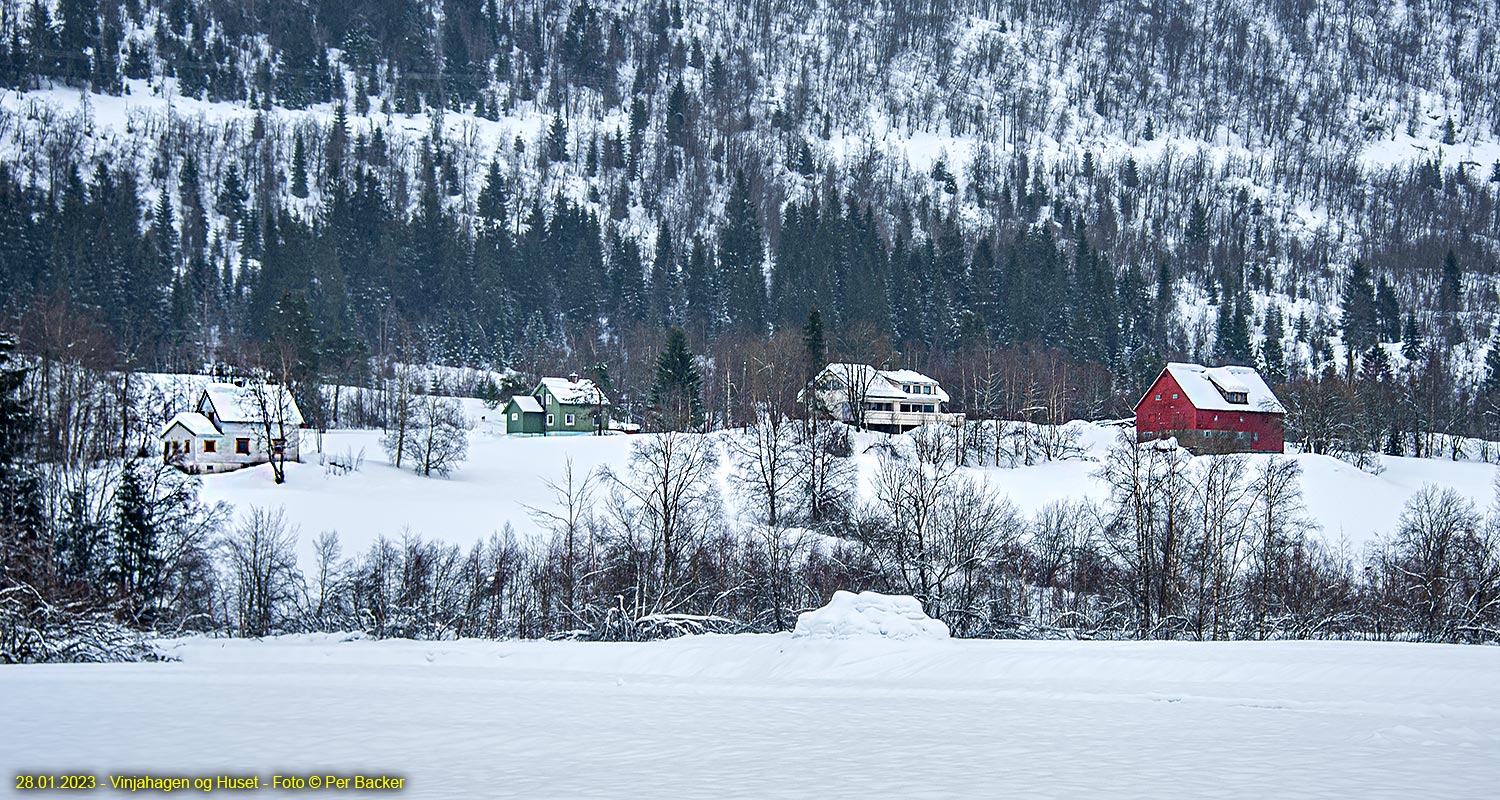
{"x":1166,"y":411}
{"x":1164,"y":408}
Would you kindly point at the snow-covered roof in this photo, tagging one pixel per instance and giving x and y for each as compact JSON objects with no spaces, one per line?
{"x":527,"y":403}
{"x":233,"y":403}
{"x":580,"y":392}
{"x":905,"y":376}
{"x":195,"y":424}
{"x":886,"y":383}
{"x":1207,"y":387}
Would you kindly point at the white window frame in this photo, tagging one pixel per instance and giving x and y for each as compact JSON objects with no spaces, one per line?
{"x":569,"y":420}
{"x":549,"y":420}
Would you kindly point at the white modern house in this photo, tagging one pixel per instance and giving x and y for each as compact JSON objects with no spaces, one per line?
{"x":234,"y":426}
{"x":890,"y":400}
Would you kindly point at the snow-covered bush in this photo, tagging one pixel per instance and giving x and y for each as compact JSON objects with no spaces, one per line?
{"x":34,"y":631}
{"x":870,"y":614}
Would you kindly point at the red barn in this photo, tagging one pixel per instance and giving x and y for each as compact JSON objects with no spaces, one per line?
{"x":1212,"y":410}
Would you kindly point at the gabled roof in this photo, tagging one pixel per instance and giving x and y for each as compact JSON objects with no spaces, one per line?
{"x":1206,"y":388}
{"x":885,"y":383}
{"x":242,"y":404}
{"x":195,"y":424}
{"x":581,"y":392}
{"x":527,"y":403}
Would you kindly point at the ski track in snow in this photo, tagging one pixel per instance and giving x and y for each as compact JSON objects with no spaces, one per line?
{"x":759,"y":716}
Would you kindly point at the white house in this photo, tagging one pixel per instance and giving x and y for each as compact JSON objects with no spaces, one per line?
{"x":891,"y":400}
{"x":233,"y":426}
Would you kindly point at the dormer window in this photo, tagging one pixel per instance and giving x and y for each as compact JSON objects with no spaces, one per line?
{"x":1237,"y":397}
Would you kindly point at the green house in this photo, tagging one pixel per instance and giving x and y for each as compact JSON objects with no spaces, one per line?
{"x":559,"y":405}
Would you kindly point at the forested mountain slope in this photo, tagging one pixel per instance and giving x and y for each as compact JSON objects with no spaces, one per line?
{"x":1077,"y":190}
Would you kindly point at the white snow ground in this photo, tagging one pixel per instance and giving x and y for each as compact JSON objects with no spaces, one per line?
{"x":504,"y":476}
{"x":761,"y":716}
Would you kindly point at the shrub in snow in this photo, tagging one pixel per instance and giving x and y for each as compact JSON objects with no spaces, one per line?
{"x":870,"y":614}
{"x":34,"y":631}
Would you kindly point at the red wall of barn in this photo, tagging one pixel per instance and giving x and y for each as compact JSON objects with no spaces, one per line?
{"x":1174,"y":412}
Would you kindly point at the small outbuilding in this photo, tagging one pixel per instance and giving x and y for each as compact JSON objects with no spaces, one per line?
{"x":523,"y":414}
{"x":1212,"y":410}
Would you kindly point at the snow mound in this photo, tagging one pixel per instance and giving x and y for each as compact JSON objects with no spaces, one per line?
{"x":870,"y":614}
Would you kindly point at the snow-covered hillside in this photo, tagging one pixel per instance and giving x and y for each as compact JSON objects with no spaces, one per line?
{"x":763,"y":716}
{"x":507,"y":476}
{"x":1168,"y":136}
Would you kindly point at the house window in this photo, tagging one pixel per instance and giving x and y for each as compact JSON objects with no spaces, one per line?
{"x":568,"y":419}
{"x":906,"y":407}
{"x":278,"y":446}
{"x":1174,"y":395}
{"x":927,"y":408}
{"x":514,"y":416}
{"x":1254,"y":437}
{"x":906,"y":387}
{"x":242,"y":447}
{"x":1158,"y":397}
{"x":549,"y":420}
{"x":926,"y":390}
{"x":210,"y":446}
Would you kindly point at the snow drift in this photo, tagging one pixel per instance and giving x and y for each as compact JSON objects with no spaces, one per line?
{"x":870,"y":614}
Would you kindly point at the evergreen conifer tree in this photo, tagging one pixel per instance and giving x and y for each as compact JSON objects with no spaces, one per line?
{"x":663,"y":288}
{"x":1489,"y":386}
{"x":557,"y":139}
{"x":299,"y":169}
{"x":1411,"y":338}
{"x":494,"y":198}
{"x":137,"y":562}
{"x":814,"y":346}
{"x":21,"y":513}
{"x":676,"y":124}
{"x":1375,"y":366}
{"x":1450,"y":291}
{"x":1273,"y":356}
{"x":1360,"y":318}
{"x":1197,"y":224}
{"x":1387,"y":312}
{"x":676,"y":393}
{"x":741,"y":254}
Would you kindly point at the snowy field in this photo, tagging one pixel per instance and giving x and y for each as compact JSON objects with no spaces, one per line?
{"x":759,"y":716}
{"x":505,"y":476}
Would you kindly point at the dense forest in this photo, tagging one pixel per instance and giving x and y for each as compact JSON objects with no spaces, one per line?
{"x":532,"y":185}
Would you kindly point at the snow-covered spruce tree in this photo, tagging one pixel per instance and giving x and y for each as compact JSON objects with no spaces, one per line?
{"x":677,"y":391}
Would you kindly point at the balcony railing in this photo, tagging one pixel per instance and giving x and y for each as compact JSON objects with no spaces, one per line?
{"x":910,"y":419}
